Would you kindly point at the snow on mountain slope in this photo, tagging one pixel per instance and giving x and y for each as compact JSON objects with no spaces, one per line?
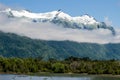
{"x":85,"y":19}
{"x":57,"y":25}
{"x":60,"y":18}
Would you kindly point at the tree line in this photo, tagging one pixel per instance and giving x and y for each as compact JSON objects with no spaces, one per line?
{"x":69,"y":65}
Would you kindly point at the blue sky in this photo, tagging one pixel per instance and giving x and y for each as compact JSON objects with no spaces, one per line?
{"x":100,"y":9}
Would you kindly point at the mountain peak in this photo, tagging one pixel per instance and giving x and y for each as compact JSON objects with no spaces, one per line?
{"x":58,"y":17}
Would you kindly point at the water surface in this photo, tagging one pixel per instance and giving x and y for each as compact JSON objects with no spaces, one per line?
{"x":25,"y":77}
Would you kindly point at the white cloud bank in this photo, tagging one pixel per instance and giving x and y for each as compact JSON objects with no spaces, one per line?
{"x":48,"y":31}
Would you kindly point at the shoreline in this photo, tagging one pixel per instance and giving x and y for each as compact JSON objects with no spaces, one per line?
{"x":61,"y":74}
{"x":73,"y":74}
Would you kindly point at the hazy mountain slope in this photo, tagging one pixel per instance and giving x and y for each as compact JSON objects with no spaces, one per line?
{"x":12,"y":45}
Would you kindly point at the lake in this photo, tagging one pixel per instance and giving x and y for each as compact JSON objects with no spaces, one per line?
{"x":25,"y":77}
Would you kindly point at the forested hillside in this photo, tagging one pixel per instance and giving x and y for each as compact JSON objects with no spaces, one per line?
{"x":12,"y":45}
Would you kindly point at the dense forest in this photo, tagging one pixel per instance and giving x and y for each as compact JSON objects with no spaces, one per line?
{"x":69,"y":65}
{"x":12,"y":45}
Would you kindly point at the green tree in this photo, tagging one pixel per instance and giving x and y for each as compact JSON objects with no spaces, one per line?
{"x":58,"y":67}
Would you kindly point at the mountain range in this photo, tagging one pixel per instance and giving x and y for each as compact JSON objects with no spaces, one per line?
{"x":12,"y":45}
{"x":56,"y":35}
{"x":60,"y":18}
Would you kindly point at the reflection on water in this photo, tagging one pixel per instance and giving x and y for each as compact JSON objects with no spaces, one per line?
{"x":23,"y":77}
{"x":106,"y":78}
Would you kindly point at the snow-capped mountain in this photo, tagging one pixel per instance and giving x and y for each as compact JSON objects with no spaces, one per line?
{"x":84,"y":22}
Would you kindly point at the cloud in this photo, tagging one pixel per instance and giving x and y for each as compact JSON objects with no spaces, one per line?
{"x":48,"y":31}
{"x":107,"y":21}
